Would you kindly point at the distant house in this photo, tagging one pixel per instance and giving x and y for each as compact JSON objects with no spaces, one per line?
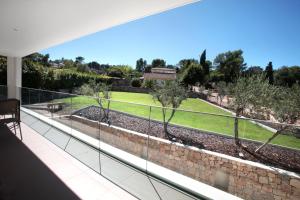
{"x":161,"y":74}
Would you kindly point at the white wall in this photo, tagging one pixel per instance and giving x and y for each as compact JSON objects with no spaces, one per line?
{"x":14,"y":77}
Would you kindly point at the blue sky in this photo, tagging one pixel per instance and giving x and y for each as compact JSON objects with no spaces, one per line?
{"x":266,"y":30}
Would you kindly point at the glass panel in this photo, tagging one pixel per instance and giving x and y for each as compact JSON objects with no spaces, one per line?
{"x":84,"y":153}
{"x":58,"y":137}
{"x":41,"y":127}
{"x":84,"y":115}
{"x":25,"y":96}
{"x":61,"y":109}
{"x":123,"y":119}
{"x":29,"y":120}
{"x":167,"y":192}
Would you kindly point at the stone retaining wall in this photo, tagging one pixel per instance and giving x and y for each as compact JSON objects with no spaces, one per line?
{"x":245,"y":179}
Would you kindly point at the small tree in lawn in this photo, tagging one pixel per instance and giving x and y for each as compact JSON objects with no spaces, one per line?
{"x":239,"y":103}
{"x":252,"y":93}
{"x":169,"y":94}
{"x":104,"y":96}
{"x":102,"y":92}
{"x":286,"y":108}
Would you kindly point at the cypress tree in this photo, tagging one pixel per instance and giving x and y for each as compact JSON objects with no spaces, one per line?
{"x":270,"y":73}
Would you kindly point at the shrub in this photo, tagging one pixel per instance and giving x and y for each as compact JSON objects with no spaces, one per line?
{"x":136,"y":82}
{"x":193,"y":74}
{"x":150,"y":84}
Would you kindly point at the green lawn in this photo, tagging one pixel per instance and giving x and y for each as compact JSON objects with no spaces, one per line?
{"x":218,"y":124}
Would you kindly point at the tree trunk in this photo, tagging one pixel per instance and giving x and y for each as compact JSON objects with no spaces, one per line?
{"x":270,"y":139}
{"x":236,"y":131}
{"x":166,"y":123}
{"x":236,"y":128}
{"x":107,"y":112}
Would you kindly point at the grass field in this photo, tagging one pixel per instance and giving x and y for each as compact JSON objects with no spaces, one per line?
{"x":218,"y":124}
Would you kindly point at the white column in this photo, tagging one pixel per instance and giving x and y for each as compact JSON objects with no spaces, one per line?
{"x":14,"y":77}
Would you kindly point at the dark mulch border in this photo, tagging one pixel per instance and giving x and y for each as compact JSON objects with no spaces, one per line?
{"x":276,"y":156}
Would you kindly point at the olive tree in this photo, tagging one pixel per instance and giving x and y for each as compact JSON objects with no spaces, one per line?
{"x":286,"y":109}
{"x":103,"y":97}
{"x":250,"y":93}
{"x":102,"y":94}
{"x":170,"y":95}
{"x":222,"y":91}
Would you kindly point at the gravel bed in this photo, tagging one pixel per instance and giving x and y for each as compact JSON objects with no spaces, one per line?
{"x":271,"y":155}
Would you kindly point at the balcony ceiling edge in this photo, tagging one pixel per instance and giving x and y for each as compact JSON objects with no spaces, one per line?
{"x":33,"y":25}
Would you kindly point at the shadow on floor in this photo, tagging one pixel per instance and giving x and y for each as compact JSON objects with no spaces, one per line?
{"x":24,"y":176}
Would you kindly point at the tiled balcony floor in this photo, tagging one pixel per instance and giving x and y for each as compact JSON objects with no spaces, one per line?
{"x":38,"y":169}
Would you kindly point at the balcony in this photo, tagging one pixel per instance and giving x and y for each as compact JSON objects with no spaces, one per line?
{"x":142,"y":163}
{"x":36,"y":169}
{"x":75,"y":149}
{"x":60,"y":140}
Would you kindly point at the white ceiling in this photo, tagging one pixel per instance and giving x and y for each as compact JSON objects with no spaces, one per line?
{"x":28,"y":26}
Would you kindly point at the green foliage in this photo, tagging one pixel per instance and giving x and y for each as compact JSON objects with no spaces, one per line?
{"x":254,"y":93}
{"x":33,"y":74}
{"x":204,"y":63}
{"x":230,"y":64}
{"x":115,"y":72}
{"x":148,"y":69}
{"x":270,"y":73}
{"x":69,"y":79}
{"x":287,"y":76}
{"x":119,"y":71}
{"x":158,"y":63}
{"x":85,"y":89}
{"x":94,"y":65}
{"x":216,"y":76}
{"x":253,"y":71}
{"x":185,"y":63}
{"x":193,"y":74}
{"x":170,"y":93}
{"x":286,"y":104}
{"x":68,"y":63}
{"x":221,"y":125}
{"x":141,"y":65}
{"x":149,"y":84}
{"x":79,"y":60}
{"x":222,"y":90}
{"x":136,"y":82}
{"x":83,"y":68}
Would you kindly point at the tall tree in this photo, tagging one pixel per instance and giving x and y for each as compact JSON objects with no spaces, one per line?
{"x":141,"y":64}
{"x":158,"y":63}
{"x":193,"y":74}
{"x":185,"y":63}
{"x":287,"y":76}
{"x":203,"y":62}
{"x":230,"y":64}
{"x":94,"y":65}
{"x":45,"y":60}
{"x":79,"y":60}
{"x":253,"y":70}
{"x":270,"y":73}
